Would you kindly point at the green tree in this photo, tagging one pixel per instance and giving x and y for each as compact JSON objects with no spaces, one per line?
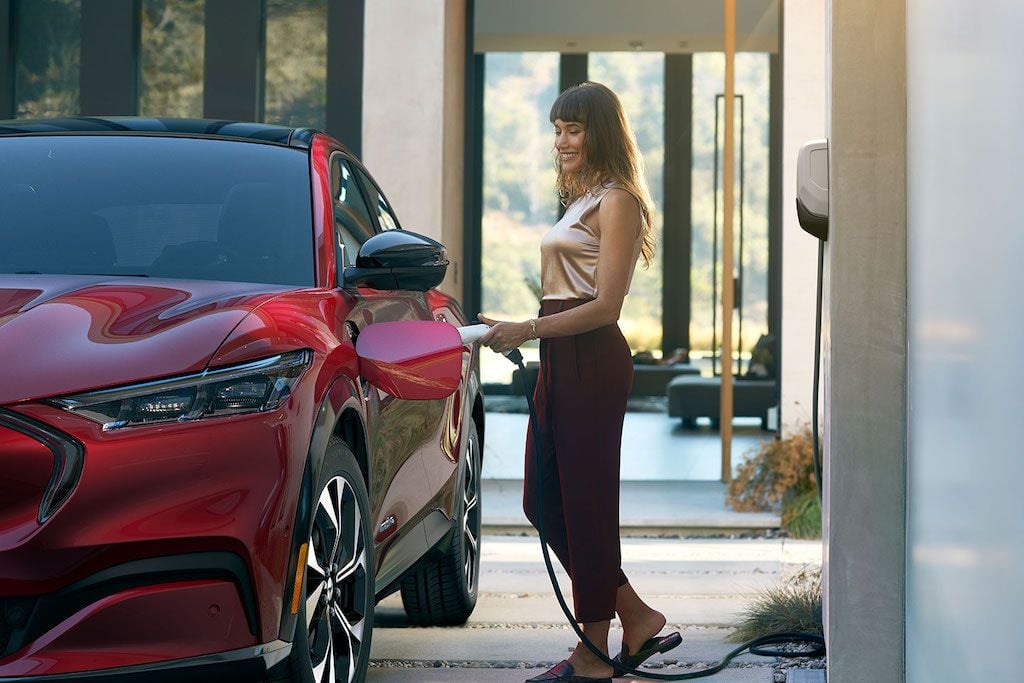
{"x":295,"y":85}
{"x":49,"y":52}
{"x":171,"y":60}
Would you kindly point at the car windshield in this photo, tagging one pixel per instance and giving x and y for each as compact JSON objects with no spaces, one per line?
{"x":155,"y":206}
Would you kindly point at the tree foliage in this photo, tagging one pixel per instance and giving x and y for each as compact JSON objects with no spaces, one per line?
{"x":171,"y":79}
{"x":296,"y":63}
{"x":49,"y":40}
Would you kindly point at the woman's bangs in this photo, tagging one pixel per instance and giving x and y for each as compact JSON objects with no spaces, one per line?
{"x":570,"y":106}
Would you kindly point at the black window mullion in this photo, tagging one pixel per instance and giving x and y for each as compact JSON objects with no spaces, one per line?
{"x":7,"y":49}
{"x":345,"y":21}
{"x":572,"y":70}
{"x":233,"y":59}
{"x":678,"y":231}
{"x":109,"y":68}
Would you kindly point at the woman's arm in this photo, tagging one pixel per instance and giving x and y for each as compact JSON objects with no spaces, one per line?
{"x":618,"y":220}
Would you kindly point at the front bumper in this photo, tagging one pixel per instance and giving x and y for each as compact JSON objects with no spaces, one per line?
{"x":133,"y":613}
{"x":244,"y":665}
{"x":173,"y":544}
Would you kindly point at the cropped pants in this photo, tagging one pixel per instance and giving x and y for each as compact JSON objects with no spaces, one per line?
{"x":581,"y":394}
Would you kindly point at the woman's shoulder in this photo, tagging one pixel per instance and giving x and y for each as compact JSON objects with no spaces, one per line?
{"x":619,"y":197}
{"x":615,"y":205}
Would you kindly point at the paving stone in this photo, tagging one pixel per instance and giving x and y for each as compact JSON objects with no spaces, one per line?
{"x":534,"y":644}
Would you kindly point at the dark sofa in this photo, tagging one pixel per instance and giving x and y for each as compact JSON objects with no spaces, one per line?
{"x":754,"y":392}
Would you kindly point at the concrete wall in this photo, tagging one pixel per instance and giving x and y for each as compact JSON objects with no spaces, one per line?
{"x":804,"y":107}
{"x":413,"y":112}
{"x":866,"y":405}
{"x":966,"y":520}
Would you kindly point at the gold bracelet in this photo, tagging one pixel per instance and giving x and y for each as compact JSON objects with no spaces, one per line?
{"x":533,"y":326}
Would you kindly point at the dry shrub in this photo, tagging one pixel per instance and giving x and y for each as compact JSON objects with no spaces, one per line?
{"x":793,"y":605}
{"x":781,"y":469}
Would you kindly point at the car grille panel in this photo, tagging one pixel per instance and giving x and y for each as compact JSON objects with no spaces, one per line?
{"x":27,"y":464}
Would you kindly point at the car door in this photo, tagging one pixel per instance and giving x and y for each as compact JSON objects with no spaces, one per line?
{"x":440,"y":453}
{"x":396,"y":428}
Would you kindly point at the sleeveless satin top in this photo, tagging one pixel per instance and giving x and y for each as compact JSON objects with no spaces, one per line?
{"x":569,"y":250}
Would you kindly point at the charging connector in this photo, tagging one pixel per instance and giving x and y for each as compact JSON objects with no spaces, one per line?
{"x":471,"y":333}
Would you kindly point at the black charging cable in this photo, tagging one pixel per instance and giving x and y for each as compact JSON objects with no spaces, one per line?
{"x":817,"y":370}
{"x":757,"y":646}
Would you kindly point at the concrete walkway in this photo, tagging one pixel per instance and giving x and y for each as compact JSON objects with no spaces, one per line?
{"x":518,"y":631}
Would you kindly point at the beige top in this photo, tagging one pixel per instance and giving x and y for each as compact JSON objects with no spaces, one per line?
{"x":569,"y":250}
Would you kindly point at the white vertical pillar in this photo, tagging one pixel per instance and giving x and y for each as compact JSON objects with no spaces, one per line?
{"x":413,"y":116}
{"x":803,"y":118}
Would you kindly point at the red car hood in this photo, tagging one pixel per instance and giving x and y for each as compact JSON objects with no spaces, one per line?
{"x":61,"y":334}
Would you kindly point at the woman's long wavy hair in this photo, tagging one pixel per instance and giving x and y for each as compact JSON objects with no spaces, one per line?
{"x":610,"y":153}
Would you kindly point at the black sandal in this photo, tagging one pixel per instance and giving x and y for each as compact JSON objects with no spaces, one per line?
{"x":563,"y":671}
{"x":652,"y":647}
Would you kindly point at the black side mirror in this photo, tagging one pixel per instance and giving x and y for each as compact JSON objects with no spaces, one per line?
{"x":398,"y":259}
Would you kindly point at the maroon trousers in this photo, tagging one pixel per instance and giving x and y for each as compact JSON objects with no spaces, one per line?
{"x":581,"y":395}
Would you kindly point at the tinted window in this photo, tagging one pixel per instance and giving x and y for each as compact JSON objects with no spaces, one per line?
{"x":162,"y":207}
{"x":352,"y":223}
{"x":385,"y":216}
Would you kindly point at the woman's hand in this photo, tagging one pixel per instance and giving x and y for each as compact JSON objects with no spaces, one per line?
{"x":505,"y":336}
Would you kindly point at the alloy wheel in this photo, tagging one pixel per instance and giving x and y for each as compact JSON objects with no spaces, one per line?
{"x":336,"y":584}
{"x":471,"y":515}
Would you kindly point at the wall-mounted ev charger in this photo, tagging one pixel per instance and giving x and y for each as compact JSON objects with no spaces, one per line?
{"x":812,"y":188}
{"x":812,"y":209}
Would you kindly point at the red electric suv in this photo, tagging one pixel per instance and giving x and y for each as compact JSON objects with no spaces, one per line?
{"x":202,"y":470}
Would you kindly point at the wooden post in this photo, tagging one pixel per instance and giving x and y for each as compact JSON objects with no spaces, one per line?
{"x":728,"y":288}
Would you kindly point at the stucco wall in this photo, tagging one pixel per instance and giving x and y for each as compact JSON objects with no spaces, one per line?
{"x":866,"y":358}
{"x":413,"y":111}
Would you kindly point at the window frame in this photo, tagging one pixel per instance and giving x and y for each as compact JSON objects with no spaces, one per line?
{"x":339,"y":263}
{"x":369,"y":186}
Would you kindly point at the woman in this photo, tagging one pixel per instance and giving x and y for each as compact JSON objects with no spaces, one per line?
{"x":587,"y":263}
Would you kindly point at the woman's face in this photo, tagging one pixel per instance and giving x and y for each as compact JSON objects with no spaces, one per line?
{"x":569,"y":144}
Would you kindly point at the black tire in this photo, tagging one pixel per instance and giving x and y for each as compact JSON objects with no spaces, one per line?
{"x":345,"y":605}
{"x":442,"y":591}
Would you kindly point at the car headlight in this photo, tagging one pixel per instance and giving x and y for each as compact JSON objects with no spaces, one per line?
{"x":251,"y":387}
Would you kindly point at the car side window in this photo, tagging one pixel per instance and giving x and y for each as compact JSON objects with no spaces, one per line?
{"x":352,"y":222}
{"x":385,"y":215}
